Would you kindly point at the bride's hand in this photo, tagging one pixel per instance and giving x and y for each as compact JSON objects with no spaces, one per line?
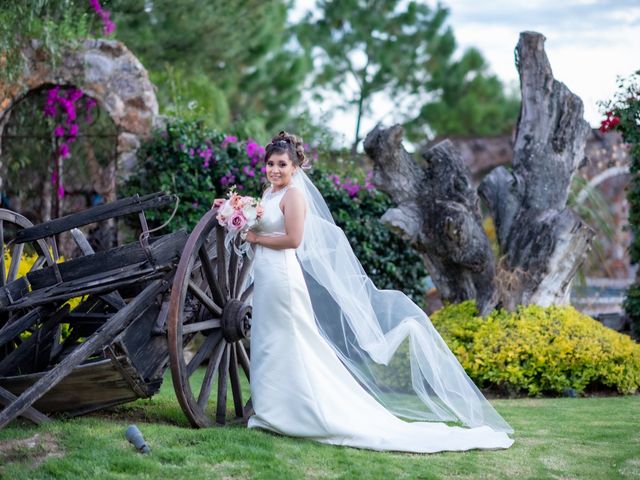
{"x":251,"y":237}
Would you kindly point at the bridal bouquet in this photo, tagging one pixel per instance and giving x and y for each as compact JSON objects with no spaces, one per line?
{"x":237,"y":214}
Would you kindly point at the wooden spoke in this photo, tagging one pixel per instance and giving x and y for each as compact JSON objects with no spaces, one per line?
{"x":199,"y":326}
{"x":16,"y":255}
{"x":242,"y":276}
{"x":233,"y":268}
{"x":247,"y":293}
{"x":37,"y":264}
{"x":243,"y":359}
{"x":212,"y":367}
{"x":204,"y":299}
{"x":203,"y":352}
{"x":221,"y":407}
{"x":2,"y":268}
{"x":235,"y":381}
{"x":223,"y":274}
{"x":209,"y":274}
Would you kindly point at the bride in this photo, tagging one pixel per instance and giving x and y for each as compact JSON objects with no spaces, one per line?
{"x":328,"y":349}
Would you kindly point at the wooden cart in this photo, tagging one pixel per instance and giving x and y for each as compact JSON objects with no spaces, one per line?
{"x":100,"y":329}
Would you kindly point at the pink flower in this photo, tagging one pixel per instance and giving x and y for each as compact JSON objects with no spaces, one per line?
{"x":217,"y":203}
{"x":59,"y":131}
{"x":236,"y":201}
{"x":64,"y":150}
{"x":237,"y":221}
{"x":73,"y":129}
{"x":228,"y":139}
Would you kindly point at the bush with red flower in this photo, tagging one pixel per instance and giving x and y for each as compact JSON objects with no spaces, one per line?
{"x":623,"y":115}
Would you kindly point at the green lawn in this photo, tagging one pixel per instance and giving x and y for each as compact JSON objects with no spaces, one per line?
{"x":584,"y":438}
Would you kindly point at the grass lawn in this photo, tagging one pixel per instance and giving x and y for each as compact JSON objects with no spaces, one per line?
{"x":583,"y":438}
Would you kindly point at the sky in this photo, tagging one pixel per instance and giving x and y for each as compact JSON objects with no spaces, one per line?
{"x":589,"y":44}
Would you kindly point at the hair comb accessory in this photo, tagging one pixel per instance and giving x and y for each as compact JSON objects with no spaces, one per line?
{"x":282,"y":142}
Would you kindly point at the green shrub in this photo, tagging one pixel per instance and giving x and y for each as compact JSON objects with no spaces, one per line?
{"x":198,"y":164}
{"x":172,"y":161}
{"x":534,"y":350}
{"x":623,"y":115}
{"x":389,"y":260}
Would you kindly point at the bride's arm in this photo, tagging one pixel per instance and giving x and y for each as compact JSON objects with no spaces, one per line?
{"x":294,"y":212}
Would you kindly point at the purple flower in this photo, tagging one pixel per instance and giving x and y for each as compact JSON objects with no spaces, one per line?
{"x":74,"y":94}
{"x":50,"y":110}
{"x":248,"y":171}
{"x":90,"y":103}
{"x":228,"y":139}
{"x":64,"y":150}
{"x":206,"y":154}
{"x":224,"y":180}
{"x":60,"y":191}
{"x":58,"y":131}
{"x":182,"y":147}
{"x":263,"y":170}
{"x":191,"y":152}
{"x":253,"y":149}
{"x":73,"y":130}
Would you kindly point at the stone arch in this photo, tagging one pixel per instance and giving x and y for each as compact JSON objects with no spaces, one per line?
{"x":105,"y":70}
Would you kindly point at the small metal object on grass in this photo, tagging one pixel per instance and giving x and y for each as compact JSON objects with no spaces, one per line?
{"x":134,"y":436}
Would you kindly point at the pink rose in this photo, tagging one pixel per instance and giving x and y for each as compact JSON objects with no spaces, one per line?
{"x":237,"y":221}
{"x":236,"y":201}
{"x":217,"y":203}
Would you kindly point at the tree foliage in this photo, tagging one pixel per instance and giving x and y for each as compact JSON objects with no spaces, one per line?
{"x":403,"y":50}
{"x":231,"y":51}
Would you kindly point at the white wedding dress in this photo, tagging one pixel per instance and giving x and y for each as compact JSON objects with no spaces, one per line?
{"x":299,"y":386}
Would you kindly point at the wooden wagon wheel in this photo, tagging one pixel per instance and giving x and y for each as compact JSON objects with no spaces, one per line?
{"x":208,"y":313}
{"x":10,"y":223}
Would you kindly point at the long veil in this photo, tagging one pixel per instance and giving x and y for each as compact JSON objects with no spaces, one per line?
{"x":385,"y":340}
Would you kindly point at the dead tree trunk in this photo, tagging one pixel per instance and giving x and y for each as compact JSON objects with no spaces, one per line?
{"x":542,"y":242}
{"x":438,"y":212}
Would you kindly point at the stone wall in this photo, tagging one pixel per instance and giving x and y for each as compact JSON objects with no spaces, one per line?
{"x":106,"y":71}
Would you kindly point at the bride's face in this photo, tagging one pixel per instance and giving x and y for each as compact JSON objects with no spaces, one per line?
{"x":280,"y":169}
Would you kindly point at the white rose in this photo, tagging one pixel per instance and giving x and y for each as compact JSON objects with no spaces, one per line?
{"x":226,"y":210}
{"x":250,"y":213}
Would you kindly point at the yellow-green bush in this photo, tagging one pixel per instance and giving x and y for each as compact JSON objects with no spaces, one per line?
{"x":26,"y":262}
{"x":538,"y":350}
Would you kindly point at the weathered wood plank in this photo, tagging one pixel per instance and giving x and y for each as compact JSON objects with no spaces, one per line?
{"x":25,"y":357}
{"x":115,"y":209}
{"x":162,"y":250}
{"x":72,"y":396}
{"x":14,"y":291}
{"x":98,"y":285}
{"x":113,"y":298}
{"x":30,"y":413}
{"x":13,"y":329}
{"x":102,"y":337}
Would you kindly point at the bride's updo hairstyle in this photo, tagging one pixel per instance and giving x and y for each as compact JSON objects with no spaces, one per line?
{"x":287,"y":143}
